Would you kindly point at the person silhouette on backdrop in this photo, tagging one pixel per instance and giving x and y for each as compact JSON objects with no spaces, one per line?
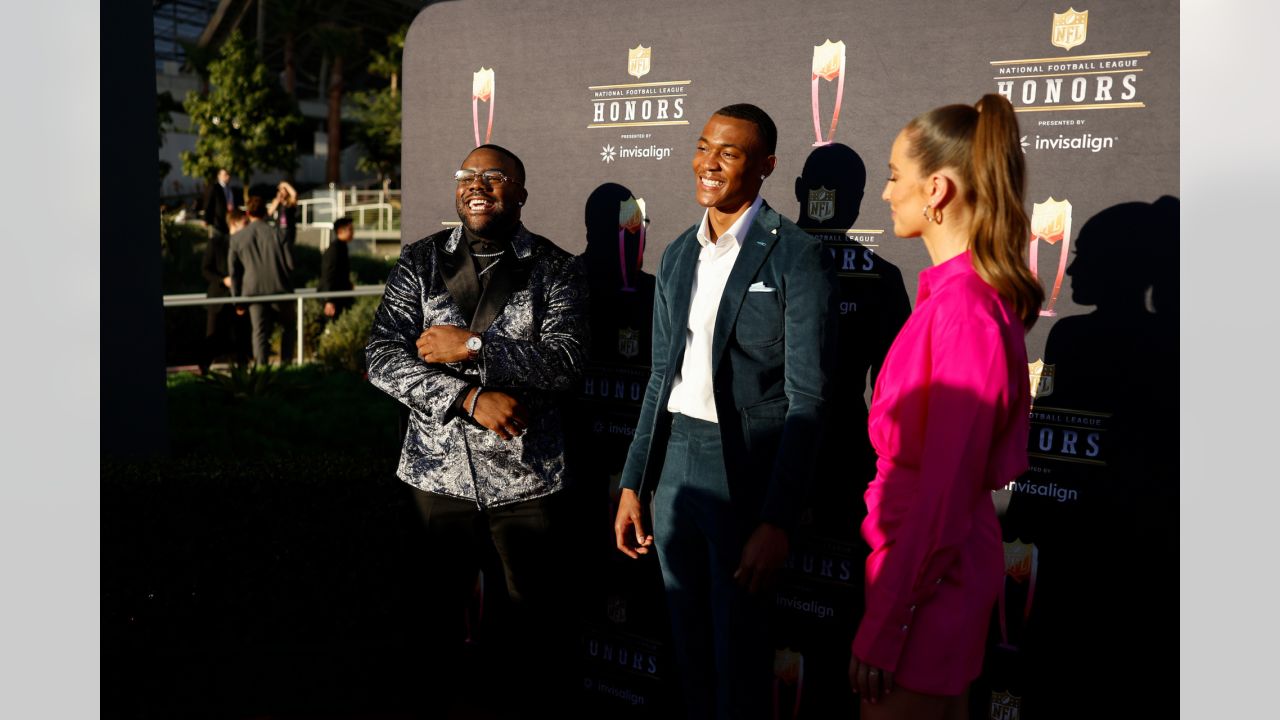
{"x":873,"y":305}
{"x":1118,"y":362}
{"x":731,"y":416}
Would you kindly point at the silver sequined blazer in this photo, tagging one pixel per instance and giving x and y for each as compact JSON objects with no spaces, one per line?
{"x":534,"y":325}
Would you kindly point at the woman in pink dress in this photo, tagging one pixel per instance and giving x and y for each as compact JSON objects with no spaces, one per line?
{"x":949,"y":413}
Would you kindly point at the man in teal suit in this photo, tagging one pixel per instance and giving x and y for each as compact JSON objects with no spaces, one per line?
{"x":728,"y":430}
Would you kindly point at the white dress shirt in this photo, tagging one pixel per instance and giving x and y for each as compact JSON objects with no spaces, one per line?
{"x":691,"y":393}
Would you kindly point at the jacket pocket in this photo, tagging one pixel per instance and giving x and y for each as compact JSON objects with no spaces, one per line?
{"x":759,"y":320}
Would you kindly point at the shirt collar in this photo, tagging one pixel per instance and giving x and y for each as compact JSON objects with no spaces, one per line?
{"x":934,"y":278}
{"x":736,"y":231}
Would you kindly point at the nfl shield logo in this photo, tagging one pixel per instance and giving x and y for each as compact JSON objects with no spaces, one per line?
{"x":1041,"y":379}
{"x":628,"y":342}
{"x":617,"y":610}
{"x":1005,"y":706}
{"x":1051,"y":220}
{"x":638,"y":61}
{"x":822,"y":204}
{"x":1070,"y":28}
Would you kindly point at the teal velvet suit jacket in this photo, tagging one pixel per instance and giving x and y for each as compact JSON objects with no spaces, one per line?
{"x":771,"y":353}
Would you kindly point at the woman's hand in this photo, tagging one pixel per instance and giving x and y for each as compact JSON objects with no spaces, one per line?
{"x":872,"y":683}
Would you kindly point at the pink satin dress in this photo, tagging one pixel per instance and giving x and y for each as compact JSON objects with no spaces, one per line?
{"x":949,"y":423}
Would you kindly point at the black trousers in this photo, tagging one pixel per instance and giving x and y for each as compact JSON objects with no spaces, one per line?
{"x":264,"y":317}
{"x":225,"y":333}
{"x":501,"y":584}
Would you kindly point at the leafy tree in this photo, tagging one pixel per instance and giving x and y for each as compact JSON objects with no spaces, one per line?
{"x":245,"y":122}
{"x":377,"y":113}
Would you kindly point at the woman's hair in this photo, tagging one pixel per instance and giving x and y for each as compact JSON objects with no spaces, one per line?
{"x":254,"y":207}
{"x":981,"y":143}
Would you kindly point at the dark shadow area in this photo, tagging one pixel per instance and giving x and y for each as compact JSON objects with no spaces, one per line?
{"x":270,"y":567}
{"x":820,"y":597}
{"x":873,"y":305}
{"x":623,"y":614}
{"x":1092,"y":531}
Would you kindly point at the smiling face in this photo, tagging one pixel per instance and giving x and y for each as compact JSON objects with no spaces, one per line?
{"x":727,"y":164}
{"x":906,"y":191}
{"x":489,"y":210}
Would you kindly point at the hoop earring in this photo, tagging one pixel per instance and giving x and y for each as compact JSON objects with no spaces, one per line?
{"x":937,"y":216}
{"x":925,"y":212}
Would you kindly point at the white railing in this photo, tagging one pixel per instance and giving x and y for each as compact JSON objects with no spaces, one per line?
{"x":194,"y":299}
{"x":371,"y":212}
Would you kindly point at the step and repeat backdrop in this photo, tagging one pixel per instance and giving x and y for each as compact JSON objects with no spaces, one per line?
{"x":604,"y":102}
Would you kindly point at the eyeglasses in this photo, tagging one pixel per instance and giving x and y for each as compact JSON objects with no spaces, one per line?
{"x":488,"y":177}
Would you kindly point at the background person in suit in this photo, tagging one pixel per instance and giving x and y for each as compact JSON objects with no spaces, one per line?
{"x":729,"y":425}
{"x":481,"y":331}
{"x":218,"y":199}
{"x":261,"y":263}
{"x":222,"y":330}
{"x":335,"y":268}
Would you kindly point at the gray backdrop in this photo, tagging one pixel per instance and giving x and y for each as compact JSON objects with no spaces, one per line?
{"x":1098,"y":101}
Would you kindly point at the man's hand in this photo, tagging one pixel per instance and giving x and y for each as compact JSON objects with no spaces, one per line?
{"x":330,"y":310}
{"x":227,"y":281}
{"x":762,"y":556}
{"x":241,"y":310}
{"x":444,"y":344}
{"x":499,"y":412}
{"x":629,"y":524}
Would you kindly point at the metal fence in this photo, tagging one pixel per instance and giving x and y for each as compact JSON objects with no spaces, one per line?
{"x":374,"y":216}
{"x":193,"y":299}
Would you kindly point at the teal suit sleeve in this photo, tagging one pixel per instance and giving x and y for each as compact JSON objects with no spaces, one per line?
{"x":809,"y":337}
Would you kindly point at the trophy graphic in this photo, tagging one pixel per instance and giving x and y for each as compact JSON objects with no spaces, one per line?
{"x":1051,"y":222}
{"x":1021,"y":563}
{"x":631,"y":219}
{"x":828,"y":64}
{"x":482,"y":90}
{"x":788,"y":683}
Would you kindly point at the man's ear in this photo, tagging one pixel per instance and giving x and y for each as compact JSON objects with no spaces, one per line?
{"x":769,"y":164}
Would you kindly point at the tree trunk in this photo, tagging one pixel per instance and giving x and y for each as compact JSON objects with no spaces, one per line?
{"x":262,"y":29}
{"x":333,"y":167}
{"x":290,"y":72}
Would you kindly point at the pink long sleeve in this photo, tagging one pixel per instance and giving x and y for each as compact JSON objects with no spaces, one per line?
{"x":946,"y":417}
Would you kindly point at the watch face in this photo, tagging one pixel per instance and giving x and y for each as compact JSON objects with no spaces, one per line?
{"x":473,"y":343}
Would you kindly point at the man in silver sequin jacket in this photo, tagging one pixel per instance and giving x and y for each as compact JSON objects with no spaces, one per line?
{"x":481,"y":331}
{"x":529,"y":314}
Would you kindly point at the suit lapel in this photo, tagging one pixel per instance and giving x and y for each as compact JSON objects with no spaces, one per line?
{"x":756,"y":246}
{"x":508,"y":275}
{"x":459,"y":274}
{"x":682,"y":274}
